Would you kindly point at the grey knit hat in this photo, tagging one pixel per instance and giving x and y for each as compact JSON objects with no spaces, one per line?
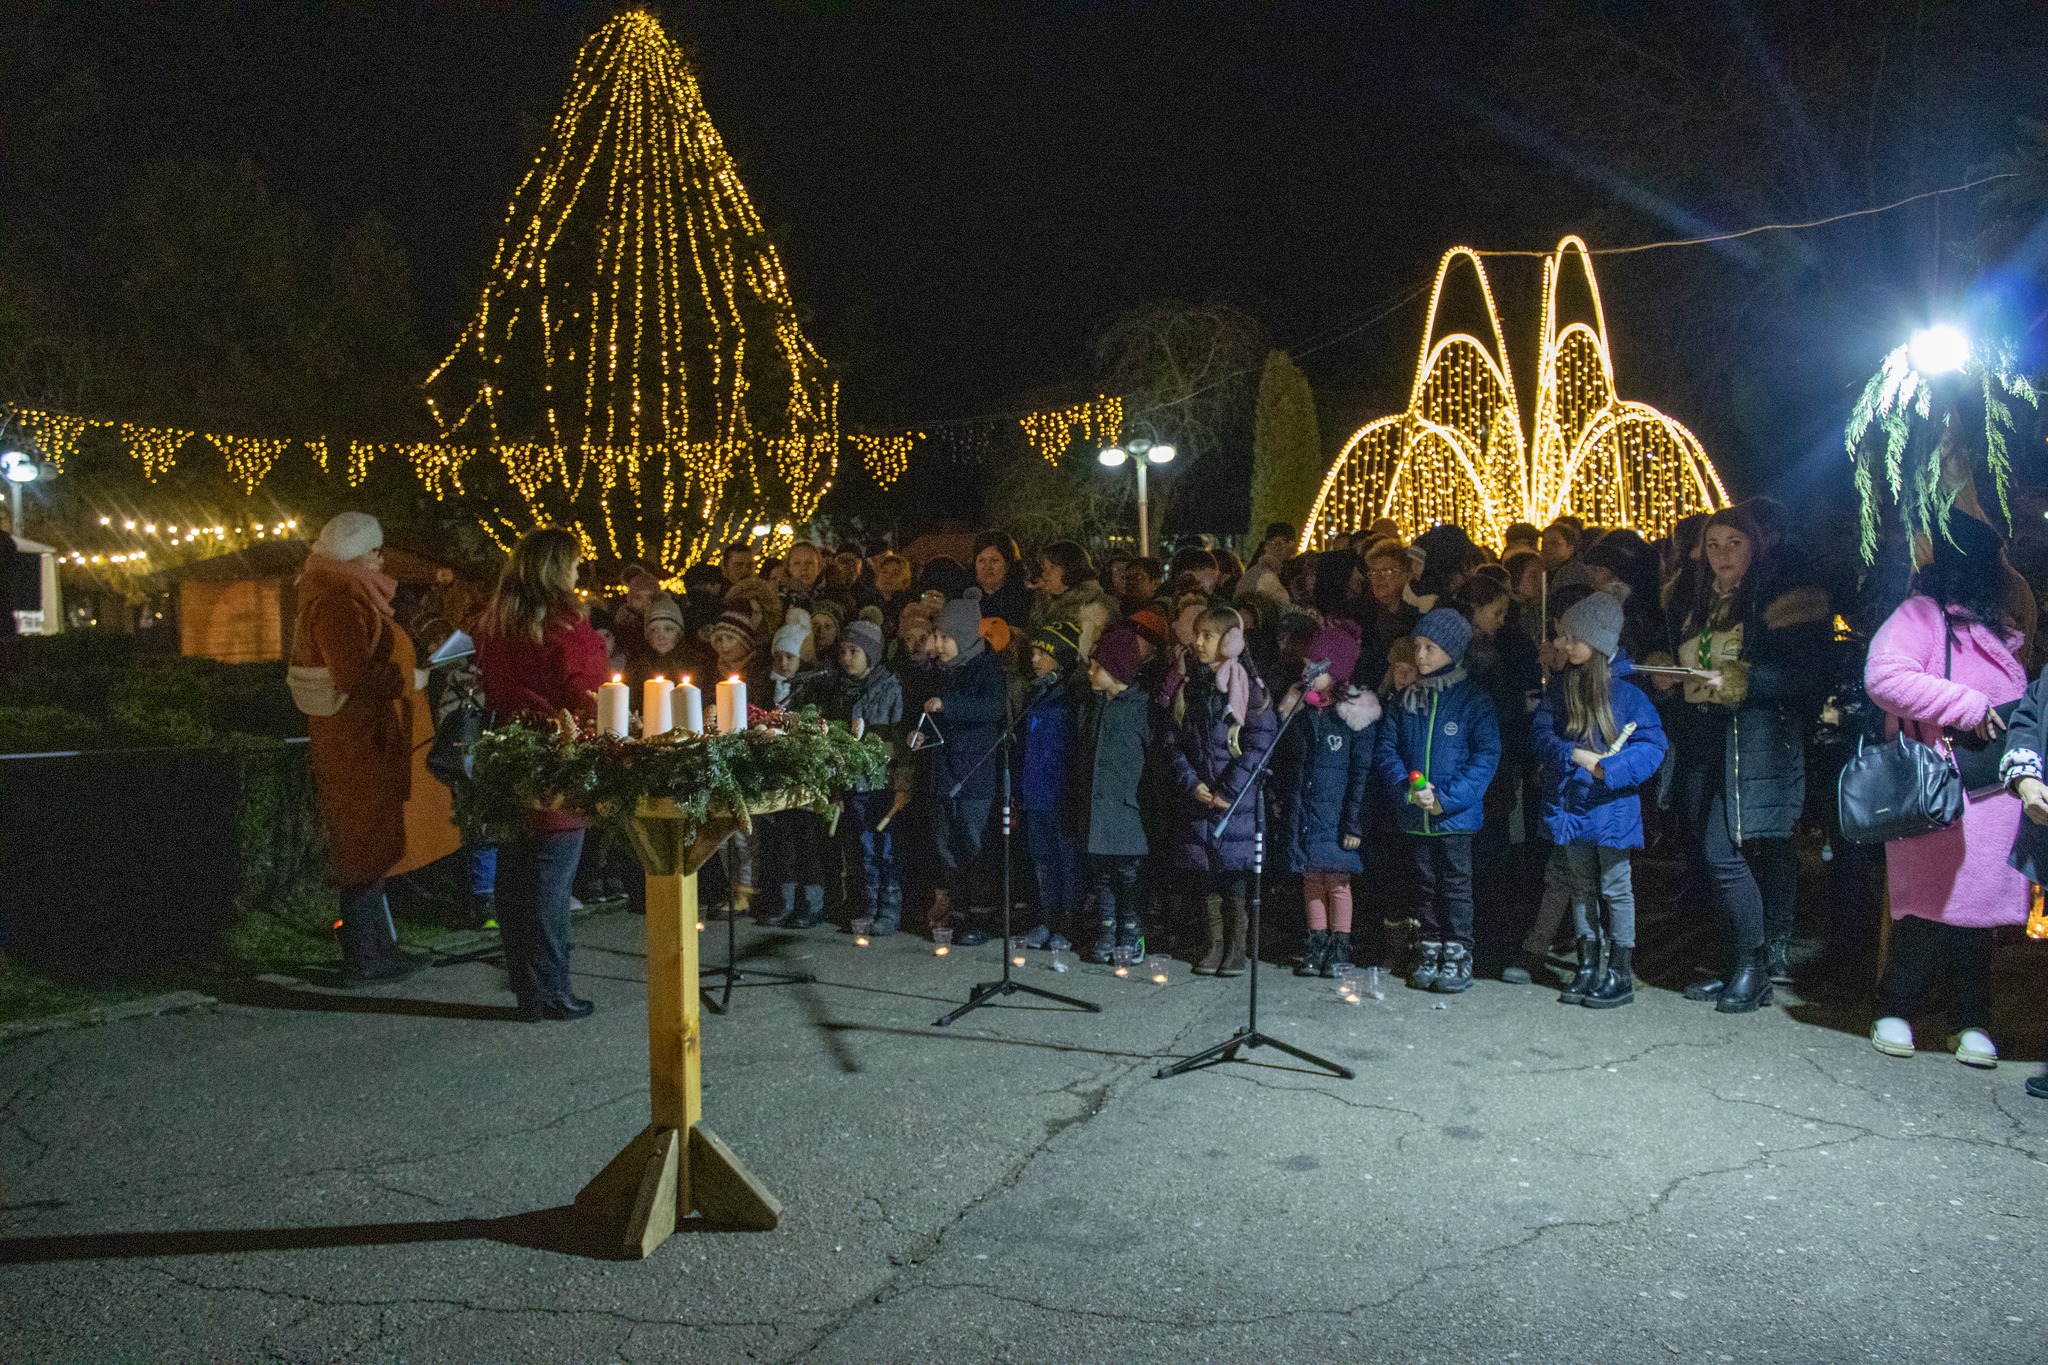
{"x":960,"y":619}
{"x":867,"y":636}
{"x":1595,"y":619}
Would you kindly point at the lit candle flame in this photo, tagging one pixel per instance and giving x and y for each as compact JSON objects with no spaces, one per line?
{"x":618,"y":677}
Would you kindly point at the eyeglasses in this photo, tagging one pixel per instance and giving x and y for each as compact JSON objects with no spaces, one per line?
{"x":1384,"y":571}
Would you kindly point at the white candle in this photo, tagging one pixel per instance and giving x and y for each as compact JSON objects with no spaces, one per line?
{"x":689,"y":699}
{"x":732,"y":706}
{"x":614,"y":700}
{"x":656,"y":717}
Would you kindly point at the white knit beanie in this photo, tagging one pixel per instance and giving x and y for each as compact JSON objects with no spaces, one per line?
{"x":348,"y":536}
{"x":794,"y":634}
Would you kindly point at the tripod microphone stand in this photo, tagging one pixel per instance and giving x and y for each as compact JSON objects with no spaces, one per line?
{"x":986,"y":991}
{"x":731,"y":970}
{"x":1249,"y":1036}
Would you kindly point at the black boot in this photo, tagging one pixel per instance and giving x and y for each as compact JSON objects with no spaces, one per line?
{"x":1237,"y":918}
{"x":1315,"y":954}
{"x":1337,"y":955}
{"x":1526,"y":970}
{"x":1588,"y":975}
{"x":1709,"y":989}
{"x":1780,"y":961}
{"x":1750,"y":986}
{"x":1617,"y":984}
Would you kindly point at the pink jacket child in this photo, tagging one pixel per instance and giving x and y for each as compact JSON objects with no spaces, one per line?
{"x":1958,"y":875}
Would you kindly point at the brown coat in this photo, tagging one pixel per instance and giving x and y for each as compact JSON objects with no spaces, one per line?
{"x":362,"y":754}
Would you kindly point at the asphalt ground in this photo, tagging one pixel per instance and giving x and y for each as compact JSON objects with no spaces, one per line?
{"x":307,"y":1176}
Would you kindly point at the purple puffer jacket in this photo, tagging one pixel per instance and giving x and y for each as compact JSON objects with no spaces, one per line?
{"x":1197,"y":746}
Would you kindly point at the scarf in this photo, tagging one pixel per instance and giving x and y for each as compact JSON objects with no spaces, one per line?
{"x":1441,"y":680}
{"x":1231,"y":678}
{"x":961,"y":659}
{"x":375,"y":586}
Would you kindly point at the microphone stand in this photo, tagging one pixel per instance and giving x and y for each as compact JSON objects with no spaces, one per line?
{"x":1249,"y":1036}
{"x":731,"y":971}
{"x":984,"y":992}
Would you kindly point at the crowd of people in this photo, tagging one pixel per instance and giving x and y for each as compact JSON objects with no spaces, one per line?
{"x":1413,"y":730}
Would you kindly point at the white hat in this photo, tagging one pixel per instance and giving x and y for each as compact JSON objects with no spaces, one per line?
{"x":348,"y":536}
{"x":795,"y":631}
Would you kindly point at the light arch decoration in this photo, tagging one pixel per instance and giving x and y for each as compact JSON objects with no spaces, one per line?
{"x":1460,"y":453}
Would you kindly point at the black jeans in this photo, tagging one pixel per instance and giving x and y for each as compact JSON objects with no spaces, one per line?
{"x":1443,"y":865}
{"x":792,"y":848}
{"x":1923,"y":948}
{"x":958,"y":829}
{"x":881,"y":884}
{"x":1117,"y":909}
{"x":1703,"y":807}
{"x":534,"y":877}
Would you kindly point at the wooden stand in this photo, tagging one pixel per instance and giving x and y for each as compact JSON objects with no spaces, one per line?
{"x":676,"y":1166}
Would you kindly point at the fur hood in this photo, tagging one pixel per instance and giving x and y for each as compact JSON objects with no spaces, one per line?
{"x":1801,"y":606}
{"x":1359,"y":710}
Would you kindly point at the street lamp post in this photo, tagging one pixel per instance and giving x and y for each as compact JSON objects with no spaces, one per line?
{"x":20,"y":471}
{"x":1141,"y":453}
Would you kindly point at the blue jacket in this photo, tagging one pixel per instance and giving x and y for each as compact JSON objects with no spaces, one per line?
{"x":1322,"y":784}
{"x":973,"y":716}
{"x":1579,"y":808}
{"x":1048,"y":746}
{"x":1453,"y":740}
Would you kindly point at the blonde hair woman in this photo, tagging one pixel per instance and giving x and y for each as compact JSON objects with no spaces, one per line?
{"x":539,"y":657}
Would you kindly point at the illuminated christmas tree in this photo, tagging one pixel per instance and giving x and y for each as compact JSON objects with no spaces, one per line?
{"x":635,"y":369}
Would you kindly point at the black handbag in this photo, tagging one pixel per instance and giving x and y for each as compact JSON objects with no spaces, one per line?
{"x":1896,"y":791}
{"x":459,"y":728}
{"x":1977,"y":760}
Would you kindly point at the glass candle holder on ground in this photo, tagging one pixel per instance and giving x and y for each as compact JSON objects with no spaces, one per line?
{"x":1059,"y":961}
{"x":1017,"y":952}
{"x":1369,"y":983}
{"x":942,"y":942}
{"x":861,"y":928}
{"x":1345,"y":975}
{"x":1159,"y":968}
{"x":1120,"y":959}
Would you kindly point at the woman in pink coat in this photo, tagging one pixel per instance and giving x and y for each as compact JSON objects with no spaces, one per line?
{"x":1946,"y":658}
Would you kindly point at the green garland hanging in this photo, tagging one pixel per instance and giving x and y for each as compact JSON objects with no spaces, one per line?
{"x":1930,"y":425}
{"x":518,"y":769}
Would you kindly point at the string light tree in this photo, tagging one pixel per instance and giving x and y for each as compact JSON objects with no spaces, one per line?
{"x":636,"y":369}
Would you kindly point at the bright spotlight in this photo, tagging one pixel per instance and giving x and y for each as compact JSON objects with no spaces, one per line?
{"x":1941,"y":349}
{"x":1113,"y":456}
{"x":1161,"y":454}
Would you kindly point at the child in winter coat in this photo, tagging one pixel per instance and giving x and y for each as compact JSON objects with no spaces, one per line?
{"x":1116,"y":733}
{"x":791,"y":843}
{"x":1437,"y":751}
{"x":966,"y":711}
{"x":1221,"y":724}
{"x":866,"y":691}
{"x":1050,"y":833}
{"x":1598,"y":741}
{"x":1322,"y":777}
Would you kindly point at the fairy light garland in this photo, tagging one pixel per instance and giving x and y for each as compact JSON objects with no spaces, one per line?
{"x":154,"y":448}
{"x":885,"y":457}
{"x":1459,"y":453}
{"x":1052,"y":433}
{"x":249,"y":457}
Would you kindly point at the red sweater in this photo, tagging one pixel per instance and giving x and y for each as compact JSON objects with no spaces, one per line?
{"x":534,"y":681}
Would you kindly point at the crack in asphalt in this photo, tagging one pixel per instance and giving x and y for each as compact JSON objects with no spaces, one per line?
{"x":1318,"y":1091}
{"x":1095,"y":1091}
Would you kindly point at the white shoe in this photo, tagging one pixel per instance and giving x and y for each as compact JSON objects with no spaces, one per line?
{"x":1893,"y":1036}
{"x":1975,"y":1048}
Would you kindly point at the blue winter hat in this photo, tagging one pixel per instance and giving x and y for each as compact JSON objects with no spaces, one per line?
{"x":1447,"y":630}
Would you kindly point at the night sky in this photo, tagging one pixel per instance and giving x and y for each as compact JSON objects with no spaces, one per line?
{"x":965,"y":196}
